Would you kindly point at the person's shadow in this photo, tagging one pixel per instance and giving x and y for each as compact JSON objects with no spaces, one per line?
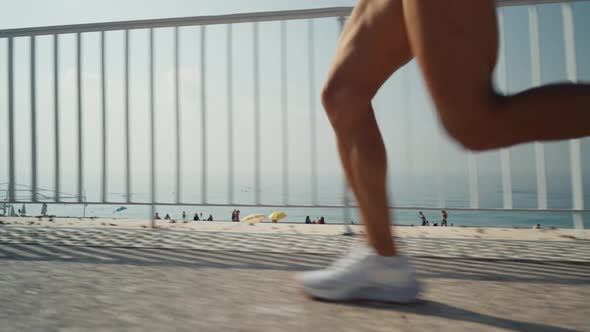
{"x":437,"y":309}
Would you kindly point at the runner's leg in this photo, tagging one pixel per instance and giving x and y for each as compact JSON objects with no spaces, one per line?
{"x":456,"y":43}
{"x":373,"y":45}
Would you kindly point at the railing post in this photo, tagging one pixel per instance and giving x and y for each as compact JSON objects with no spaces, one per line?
{"x":285,"y":111}
{"x":56,"y":115}
{"x":203,"y":116}
{"x":80,"y":119}
{"x":152,"y":130}
{"x":440,"y":170}
{"x":127,"y":123}
{"x":104,"y":118}
{"x":33,"y":80}
{"x":312,"y":114}
{"x":536,"y":80}
{"x":345,"y":196}
{"x":256,"y":74}
{"x":11,"y":143}
{"x":407,"y":127}
{"x":230,"y":116}
{"x":503,"y":85}
{"x":178,"y":183}
{"x":473,"y":180}
{"x":575,"y":149}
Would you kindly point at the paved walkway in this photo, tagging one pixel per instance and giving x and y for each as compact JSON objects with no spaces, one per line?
{"x":570,"y":251}
{"x":121,"y":280}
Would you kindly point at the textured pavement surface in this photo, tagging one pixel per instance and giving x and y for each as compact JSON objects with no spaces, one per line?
{"x":154,"y":280}
{"x":570,"y":251}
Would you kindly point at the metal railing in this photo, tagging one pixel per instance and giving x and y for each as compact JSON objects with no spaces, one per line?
{"x":229,"y":20}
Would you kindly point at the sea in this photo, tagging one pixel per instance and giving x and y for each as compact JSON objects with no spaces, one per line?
{"x":431,"y":193}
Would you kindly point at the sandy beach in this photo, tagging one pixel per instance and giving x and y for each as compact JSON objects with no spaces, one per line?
{"x":311,"y":229}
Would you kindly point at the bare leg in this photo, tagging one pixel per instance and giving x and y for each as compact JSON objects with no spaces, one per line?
{"x":373,"y":45}
{"x":456,"y":44}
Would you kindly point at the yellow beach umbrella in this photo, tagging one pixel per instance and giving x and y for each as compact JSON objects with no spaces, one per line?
{"x":278,"y":215}
{"x":253,"y":218}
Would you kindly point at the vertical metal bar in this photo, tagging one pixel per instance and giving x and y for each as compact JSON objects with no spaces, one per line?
{"x":407,"y":114}
{"x":285,"y":111}
{"x":104,"y":117}
{"x":575,"y":150}
{"x":127,"y":123}
{"x":230,"y":115}
{"x":56,"y":113}
{"x":11,"y":178}
{"x":502,"y":80}
{"x":345,"y":199}
{"x":312,"y":115}
{"x":177,"y":114}
{"x":473,"y":181}
{"x":33,"y":80}
{"x":536,"y":81}
{"x":569,"y":42}
{"x":541,"y":176}
{"x":506,"y":178}
{"x":79,"y":104}
{"x":256,"y":115}
{"x":203,"y":117}
{"x":440,"y":179}
{"x":152,"y":131}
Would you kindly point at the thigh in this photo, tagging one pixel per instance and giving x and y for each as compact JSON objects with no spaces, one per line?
{"x":372,"y":46}
{"x":456,"y":44}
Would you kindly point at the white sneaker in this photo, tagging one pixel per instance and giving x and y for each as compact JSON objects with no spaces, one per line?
{"x":365,"y":276}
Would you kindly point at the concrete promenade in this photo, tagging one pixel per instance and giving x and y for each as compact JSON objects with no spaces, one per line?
{"x":113,"y":279}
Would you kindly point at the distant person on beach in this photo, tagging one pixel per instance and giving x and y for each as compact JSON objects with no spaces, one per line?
{"x":423,"y":218}
{"x":322,"y":220}
{"x":196,"y":217}
{"x":157,"y":216}
{"x":443,"y":218}
{"x":235,"y":215}
{"x":210,"y":218}
{"x":307,"y":220}
{"x":167,"y":217}
{"x":183,"y":215}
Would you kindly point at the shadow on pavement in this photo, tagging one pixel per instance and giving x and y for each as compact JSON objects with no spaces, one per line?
{"x":442,"y":310}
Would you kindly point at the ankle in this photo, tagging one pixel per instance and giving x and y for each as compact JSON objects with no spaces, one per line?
{"x":384,"y":250}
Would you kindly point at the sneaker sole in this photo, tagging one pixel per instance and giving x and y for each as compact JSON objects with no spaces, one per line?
{"x":361,"y":300}
{"x":330,"y":296}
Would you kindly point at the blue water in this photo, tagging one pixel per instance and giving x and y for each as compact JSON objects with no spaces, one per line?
{"x":404,"y":191}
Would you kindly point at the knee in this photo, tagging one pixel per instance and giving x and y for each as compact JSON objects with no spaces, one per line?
{"x":475,"y":126}
{"x":344,"y":103}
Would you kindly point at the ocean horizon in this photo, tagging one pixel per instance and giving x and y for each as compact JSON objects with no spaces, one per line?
{"x":404,"y":191}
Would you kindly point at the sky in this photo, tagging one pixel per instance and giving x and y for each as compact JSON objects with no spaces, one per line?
{"x":416,"y":144}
